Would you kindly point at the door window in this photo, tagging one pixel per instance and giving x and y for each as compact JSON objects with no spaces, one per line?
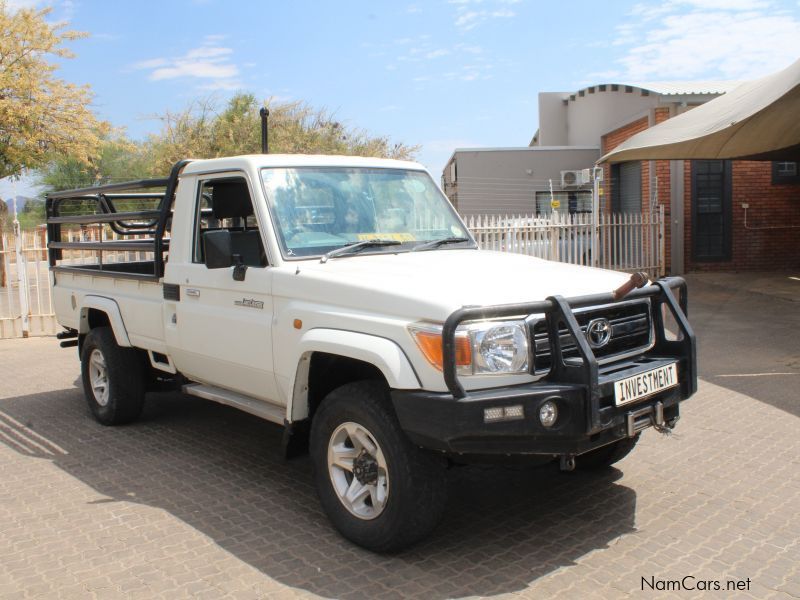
{"x":226,"y":204}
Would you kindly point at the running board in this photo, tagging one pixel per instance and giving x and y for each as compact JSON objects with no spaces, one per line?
{"x":259,"y":408}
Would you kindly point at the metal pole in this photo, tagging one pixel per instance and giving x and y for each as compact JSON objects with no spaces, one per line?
{"x":597,"y":173}
{"x":264,"y":112}
{"x":22,"y":276}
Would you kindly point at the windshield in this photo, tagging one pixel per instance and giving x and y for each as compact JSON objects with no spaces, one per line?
{"x":319,"y":209}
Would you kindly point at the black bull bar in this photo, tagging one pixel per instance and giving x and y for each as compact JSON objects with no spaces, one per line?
{"x":558,"y":310}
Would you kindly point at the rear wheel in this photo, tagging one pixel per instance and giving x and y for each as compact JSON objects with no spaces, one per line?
{"x":379,"y":490}
{"x":113,"y":378}
{"x":607,"y":455}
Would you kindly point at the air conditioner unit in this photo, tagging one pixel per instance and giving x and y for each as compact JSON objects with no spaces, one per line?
{"x":571,"y":178}
{"x":574,"y":178}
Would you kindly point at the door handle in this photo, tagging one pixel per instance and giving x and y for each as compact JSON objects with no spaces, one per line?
{"x":193,"y":292}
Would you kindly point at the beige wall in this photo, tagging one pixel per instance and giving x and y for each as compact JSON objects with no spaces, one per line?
{"x":582,"y":121}
{"x":506,"y":180}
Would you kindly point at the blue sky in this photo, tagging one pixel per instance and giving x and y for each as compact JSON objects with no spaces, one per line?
{"x":438,"y":73}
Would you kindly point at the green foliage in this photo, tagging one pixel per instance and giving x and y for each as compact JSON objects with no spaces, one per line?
{"x":117,"y":159}
{"x":32,"y":214}
{"x":294,"y":128}
{"x":199,"y":131}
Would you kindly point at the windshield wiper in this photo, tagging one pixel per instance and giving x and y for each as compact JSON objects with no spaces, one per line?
{"x":354,"y":247}
{"x":442,"y":242}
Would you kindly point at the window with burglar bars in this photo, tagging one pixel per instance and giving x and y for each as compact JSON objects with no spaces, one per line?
{"x":785,"y":172}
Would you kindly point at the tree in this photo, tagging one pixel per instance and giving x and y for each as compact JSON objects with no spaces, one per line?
{"x":40,"y":115}
{"x":115,"y":159}
{"x":199,"y":131}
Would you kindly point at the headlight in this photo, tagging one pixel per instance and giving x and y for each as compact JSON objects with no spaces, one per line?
{"x":499,"y":347}
{"x":482,"y":348}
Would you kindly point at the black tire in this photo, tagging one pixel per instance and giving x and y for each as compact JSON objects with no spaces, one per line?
{"x":125,"y":379}
{"x":415,"y":484}
{"x":606,"y":455}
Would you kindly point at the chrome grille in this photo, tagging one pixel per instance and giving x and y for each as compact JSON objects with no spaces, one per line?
{"x":630,"y":332}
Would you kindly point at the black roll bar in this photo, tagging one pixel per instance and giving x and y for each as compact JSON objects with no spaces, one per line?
{"x":152,"y":222}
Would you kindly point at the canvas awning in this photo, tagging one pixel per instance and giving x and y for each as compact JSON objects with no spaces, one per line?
{"x":757,"y":120}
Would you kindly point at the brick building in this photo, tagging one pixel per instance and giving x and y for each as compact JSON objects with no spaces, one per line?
{"x":722,"y":215}
{"x":725,"y":215}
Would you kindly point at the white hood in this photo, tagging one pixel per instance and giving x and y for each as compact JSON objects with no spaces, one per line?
{"x":431,"y":285}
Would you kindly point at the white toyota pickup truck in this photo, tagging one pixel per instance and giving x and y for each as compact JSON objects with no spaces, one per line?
{"x":344,"y":299}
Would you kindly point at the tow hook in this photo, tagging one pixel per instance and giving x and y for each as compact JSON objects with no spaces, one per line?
{"x":643,"y":418}
{"x":666,"y":428}
{"x":566,"y":462}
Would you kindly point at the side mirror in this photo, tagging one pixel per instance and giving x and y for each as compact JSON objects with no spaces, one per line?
{"x":217,"y":249}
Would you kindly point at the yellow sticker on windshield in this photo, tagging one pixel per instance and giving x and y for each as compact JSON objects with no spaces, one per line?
{"x":400,"y":237}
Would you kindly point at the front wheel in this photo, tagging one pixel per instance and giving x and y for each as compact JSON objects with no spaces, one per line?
{"x":378,"y":490}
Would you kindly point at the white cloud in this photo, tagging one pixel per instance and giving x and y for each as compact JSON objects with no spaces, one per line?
{"x":472,"y":13}
{"x":724,"y":4}
{"x":437,"y":53}
{"x":421,"y":49}
{"x":151,"y":63}
{"x":208,"y":52}
{"x":456,"y":62}
{"x":693,"y":39}
{"x":210,"y":63}
{"x":471,"y":72}
{"x":413,"y":8}
{"x":468,"y":49}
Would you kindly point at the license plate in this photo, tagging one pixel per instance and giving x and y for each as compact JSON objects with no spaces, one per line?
{"x":645,"y":384}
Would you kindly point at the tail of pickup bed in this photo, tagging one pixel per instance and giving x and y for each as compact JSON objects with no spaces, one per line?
{"x":136,"y":211}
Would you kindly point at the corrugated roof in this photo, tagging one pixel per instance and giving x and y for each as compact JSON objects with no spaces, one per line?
{"x":687,"y":88}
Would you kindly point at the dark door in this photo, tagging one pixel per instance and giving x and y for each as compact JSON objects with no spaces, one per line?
{"x":626,"y":195}
{"x":626,"y":199}
{"x":711,"y":210}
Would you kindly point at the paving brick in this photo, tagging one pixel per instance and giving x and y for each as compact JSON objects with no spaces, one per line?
{"x":195,"y":501}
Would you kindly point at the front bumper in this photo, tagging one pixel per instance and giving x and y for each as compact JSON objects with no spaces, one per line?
{"x":453,"y":422}
{"x":456,"y":425}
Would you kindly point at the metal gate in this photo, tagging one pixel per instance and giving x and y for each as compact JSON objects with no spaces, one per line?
{"x":26,"y":305}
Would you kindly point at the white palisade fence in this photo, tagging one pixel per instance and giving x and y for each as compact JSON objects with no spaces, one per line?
{"x":626,"y":242}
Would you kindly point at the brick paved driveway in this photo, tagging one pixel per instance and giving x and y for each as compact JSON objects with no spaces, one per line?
{"x":194,"y":501}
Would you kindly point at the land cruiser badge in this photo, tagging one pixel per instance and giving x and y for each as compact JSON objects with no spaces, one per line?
{"x":249,"y":303}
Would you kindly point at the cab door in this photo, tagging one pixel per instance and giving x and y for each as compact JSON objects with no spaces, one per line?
{"x":220,"y":329}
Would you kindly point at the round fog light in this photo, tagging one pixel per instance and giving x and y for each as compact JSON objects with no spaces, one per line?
{"x":548,"y":413}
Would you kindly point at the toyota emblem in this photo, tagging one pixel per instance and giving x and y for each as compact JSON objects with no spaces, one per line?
{"x":598,"y":332}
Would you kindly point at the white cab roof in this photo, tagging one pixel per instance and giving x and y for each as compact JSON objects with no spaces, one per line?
{"x":256,"y":161}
